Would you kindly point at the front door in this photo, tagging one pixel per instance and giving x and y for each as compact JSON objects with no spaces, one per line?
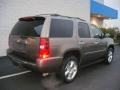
{"x":99,"y":42}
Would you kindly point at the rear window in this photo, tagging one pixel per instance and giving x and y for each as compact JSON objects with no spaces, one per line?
{"x":31,"y":27}
{"x":61,"y":28}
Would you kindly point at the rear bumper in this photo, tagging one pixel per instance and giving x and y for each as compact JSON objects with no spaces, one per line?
{"x":47,"y":65}
{"x":18,"y":62}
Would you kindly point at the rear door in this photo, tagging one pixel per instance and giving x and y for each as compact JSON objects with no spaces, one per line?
{"x":61,"y":36}
{"x":24,"y":38}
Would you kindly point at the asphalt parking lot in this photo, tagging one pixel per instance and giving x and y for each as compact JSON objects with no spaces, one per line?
{"x":96,"y":77}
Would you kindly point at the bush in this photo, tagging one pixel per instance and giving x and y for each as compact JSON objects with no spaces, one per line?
{"x":118,"y":38}
{"x":111,"y":31}
{"x":114,"y":34}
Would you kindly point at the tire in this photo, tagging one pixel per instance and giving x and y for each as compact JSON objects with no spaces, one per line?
{"x":109,"y":56}
{"x":68,"y":70}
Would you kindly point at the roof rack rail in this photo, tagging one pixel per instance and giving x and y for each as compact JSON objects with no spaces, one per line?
{"x":67,"y":16}
{"x":51,"y":14}
{"x":79,"y":18}
{"x":64,"y":16}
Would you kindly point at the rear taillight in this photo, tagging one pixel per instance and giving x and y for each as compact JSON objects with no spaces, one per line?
{"x":44,"y":51}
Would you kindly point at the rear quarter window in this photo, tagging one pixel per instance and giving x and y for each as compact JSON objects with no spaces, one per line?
{"x":61,"y":28}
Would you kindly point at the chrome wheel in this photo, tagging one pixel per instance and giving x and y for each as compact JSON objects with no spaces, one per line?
{"x":110,"y":56}
{"x":71,"y":70}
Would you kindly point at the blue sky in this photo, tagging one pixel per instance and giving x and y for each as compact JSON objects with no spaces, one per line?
{"x":114,"y":4}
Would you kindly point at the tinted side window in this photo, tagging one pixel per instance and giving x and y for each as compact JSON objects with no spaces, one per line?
{"x":83,"y":30}
{"x":61,"y":28}
{"x":95,"y":31}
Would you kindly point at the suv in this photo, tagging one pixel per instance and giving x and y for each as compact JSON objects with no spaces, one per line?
{"x":56,"y":43}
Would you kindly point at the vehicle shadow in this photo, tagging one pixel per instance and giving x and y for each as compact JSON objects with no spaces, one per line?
{"x":34,"y":80}
{"x":52,"y":83}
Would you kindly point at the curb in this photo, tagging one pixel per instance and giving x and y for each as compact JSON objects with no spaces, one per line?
{"x":2,"y":57}
{"x":116,"y":43}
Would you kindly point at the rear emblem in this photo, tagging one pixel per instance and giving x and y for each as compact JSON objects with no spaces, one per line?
{"x":26,"y":42}
{"x":18,"y":41}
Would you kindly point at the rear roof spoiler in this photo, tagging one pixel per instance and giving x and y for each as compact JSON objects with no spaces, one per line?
{"x":31,"y":18}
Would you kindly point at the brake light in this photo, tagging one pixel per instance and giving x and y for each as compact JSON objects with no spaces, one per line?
{"x":44,"y":51}
{"x":29,"y":18}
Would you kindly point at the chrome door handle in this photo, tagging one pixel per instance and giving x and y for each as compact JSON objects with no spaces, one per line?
{"x":81,"y":42}
{"x":96,"y":42}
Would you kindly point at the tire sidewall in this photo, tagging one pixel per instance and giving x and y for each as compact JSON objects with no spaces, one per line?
{"x":65,"y":62}
{"x":109,"y":49}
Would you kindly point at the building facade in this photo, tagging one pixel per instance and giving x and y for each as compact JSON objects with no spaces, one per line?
{"x":100,"y":1}
{"x":99,"y":12}
{"x":93,"y":11}
{"x":11,"y":10}
{"x":113,"y":23}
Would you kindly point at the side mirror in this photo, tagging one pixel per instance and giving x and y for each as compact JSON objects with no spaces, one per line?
{"x":107,"y":35}
{"x":96,"y":36}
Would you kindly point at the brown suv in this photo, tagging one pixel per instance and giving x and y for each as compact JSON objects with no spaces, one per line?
{"x":55,"y":43}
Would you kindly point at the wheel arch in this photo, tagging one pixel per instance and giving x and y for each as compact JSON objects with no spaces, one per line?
{"x":75,"y":52}
{"x":111,"y":46}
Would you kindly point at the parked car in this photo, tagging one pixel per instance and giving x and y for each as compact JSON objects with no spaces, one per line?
{"x":56,"y":43}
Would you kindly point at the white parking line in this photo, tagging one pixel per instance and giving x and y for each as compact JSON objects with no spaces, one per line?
{"x":12,"y":75}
